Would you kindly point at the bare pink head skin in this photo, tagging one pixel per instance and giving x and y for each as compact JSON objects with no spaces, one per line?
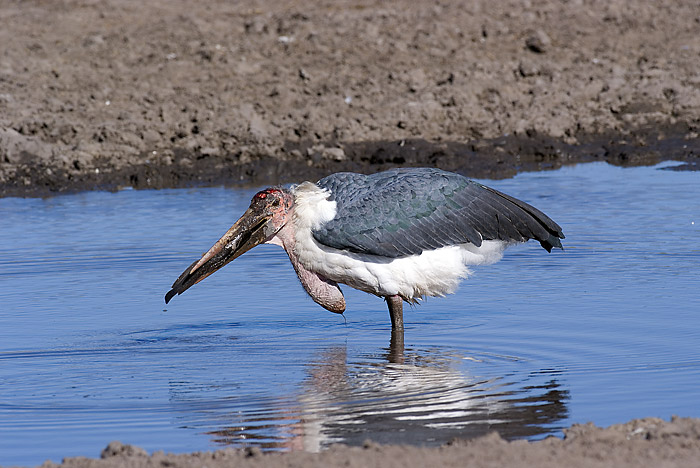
{"x":267,"y":220}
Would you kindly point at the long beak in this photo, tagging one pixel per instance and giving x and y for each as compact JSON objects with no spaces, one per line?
{"x":245,"y":234}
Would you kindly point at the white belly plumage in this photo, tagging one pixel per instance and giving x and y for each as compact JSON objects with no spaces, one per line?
{"x":432,"y":273}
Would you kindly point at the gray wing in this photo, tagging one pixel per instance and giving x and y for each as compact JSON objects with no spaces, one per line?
{"x":403,"y":212}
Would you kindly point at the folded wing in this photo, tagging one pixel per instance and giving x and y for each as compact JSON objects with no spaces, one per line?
{"x":403,"y":212}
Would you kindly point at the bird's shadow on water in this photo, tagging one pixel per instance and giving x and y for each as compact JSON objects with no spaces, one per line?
{"x":395,"y":395}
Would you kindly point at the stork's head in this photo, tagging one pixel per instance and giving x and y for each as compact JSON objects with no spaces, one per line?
{"x":269,"y":211}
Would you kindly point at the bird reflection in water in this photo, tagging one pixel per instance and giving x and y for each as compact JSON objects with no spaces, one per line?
{"x":401,"y":396}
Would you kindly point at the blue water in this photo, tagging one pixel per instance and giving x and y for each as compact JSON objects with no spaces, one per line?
{"x":606,"y":331}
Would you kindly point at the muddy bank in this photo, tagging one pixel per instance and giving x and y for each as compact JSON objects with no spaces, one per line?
{"x":493,"y":158}
{"x":106,"y":94}
{"x":649,"y":442}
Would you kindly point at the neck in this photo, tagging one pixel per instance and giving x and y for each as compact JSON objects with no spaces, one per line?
{"x":323,"y":291}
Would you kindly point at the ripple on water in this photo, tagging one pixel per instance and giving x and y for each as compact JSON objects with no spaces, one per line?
{"x":605,"y":331}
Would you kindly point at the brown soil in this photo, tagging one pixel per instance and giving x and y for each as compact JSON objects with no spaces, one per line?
{"x":647,"y":442}
{"x":168,"y":93}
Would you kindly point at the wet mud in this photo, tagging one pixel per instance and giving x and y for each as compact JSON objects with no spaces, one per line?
{"x":493,"y":159}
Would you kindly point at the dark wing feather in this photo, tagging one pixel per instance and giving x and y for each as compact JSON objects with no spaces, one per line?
{"x":403,"y":212}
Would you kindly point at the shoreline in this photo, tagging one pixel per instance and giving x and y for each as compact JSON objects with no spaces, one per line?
{"x":641,"y":442}
{"x":495,"y":158}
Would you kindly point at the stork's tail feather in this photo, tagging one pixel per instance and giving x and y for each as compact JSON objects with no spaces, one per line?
{"x":551,"y":233}
{"x":553,"y":241}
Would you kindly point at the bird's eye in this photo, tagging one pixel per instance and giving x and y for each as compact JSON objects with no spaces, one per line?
{"x":276,"y":202}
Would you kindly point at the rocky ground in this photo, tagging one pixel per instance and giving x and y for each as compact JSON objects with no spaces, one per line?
{"x":168,"y":93}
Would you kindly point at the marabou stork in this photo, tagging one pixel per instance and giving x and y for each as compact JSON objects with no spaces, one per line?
{"x":401,"y":234}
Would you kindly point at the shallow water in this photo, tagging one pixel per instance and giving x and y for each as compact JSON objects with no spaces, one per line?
{"x":606,"y":331}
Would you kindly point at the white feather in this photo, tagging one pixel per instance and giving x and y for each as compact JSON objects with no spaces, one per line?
{"x":432,"y":273}
{"x":312,"y":207}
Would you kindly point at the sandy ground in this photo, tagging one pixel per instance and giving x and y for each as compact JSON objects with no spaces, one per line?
{"x":169,"y":93}
{"x":647,"y":442}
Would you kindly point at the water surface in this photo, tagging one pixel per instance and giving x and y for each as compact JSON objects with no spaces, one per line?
{"x":606,"y":331}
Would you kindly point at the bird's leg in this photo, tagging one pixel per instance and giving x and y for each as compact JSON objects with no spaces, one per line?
{"x":395,"y":304}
